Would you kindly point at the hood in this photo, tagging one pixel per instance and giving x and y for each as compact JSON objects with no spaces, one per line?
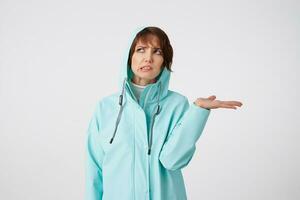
{"x":126,"y":74}
{"x":155,"y":91}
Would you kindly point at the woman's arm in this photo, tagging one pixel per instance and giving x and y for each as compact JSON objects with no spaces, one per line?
{"x":180,"y":146}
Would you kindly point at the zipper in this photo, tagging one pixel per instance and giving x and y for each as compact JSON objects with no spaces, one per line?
{"x":151,"y":128}
{"x":144,"y":106}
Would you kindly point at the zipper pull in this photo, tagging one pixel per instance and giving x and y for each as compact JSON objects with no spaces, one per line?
{"x":158,"y":110}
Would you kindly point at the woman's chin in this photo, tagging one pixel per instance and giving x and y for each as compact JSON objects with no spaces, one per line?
{"x":148,"y":76}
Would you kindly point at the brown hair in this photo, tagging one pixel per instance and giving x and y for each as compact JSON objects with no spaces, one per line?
{"x":148,"y":32}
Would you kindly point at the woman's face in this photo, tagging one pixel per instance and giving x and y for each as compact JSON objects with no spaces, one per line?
{"x":147,"y":60}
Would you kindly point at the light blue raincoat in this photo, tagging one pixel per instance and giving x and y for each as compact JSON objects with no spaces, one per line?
{"x":136,"y":150}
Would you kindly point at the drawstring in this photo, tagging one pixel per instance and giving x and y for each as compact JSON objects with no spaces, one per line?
{"x":120,"y":111}
{"x":153,"y":119}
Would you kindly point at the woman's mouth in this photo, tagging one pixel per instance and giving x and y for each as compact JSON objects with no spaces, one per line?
{"x":146,"y":68}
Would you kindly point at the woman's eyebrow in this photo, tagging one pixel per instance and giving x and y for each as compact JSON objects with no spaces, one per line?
{"x":155,"y":48}
{"x":148,"y":47}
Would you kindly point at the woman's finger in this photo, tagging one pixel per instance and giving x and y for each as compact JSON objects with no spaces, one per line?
{"x":227,"y":106}
{"x":232,"y":103}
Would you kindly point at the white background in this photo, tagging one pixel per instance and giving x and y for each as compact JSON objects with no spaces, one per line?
{"x":58,"y":58}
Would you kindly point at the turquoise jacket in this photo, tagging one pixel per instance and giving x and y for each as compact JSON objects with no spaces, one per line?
{"x":136,"y":150}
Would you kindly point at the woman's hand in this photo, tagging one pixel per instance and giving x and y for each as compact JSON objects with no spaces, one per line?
{"x":212,"y":103}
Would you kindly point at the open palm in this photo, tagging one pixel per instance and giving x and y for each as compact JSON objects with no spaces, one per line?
{"x":212,"y":103}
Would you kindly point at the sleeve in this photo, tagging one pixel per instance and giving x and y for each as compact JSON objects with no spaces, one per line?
{"x":180,"y":145}
{"x":94,"y":156}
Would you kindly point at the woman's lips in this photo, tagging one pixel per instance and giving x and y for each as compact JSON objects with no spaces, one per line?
{"x":146,"y":68}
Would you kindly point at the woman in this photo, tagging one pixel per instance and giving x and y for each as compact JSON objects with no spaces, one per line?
{"x":140,"y":138}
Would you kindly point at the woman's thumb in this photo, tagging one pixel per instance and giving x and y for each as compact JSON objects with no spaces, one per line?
{"x":213,"y":97}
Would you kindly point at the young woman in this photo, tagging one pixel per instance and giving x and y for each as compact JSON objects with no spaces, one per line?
{"x":140,"y":138}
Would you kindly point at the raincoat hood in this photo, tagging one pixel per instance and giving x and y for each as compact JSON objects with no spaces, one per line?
{"x":160,"y":87}
{"x":154,"y":92}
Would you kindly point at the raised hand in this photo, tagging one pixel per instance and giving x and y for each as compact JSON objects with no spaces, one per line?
{"x":212,"y":103}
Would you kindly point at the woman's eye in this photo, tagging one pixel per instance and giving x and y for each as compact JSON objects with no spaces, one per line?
{"x":139,"y":49}
{"x":158,"y":52}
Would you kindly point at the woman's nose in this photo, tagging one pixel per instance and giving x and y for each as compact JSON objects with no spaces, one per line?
{"x":148,"y":56}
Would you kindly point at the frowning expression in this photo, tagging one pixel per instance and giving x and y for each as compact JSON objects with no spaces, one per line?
{"x":147,"y":60}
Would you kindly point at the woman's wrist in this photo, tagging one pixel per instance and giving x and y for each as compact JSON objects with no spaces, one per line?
{"x":199,"y":104}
